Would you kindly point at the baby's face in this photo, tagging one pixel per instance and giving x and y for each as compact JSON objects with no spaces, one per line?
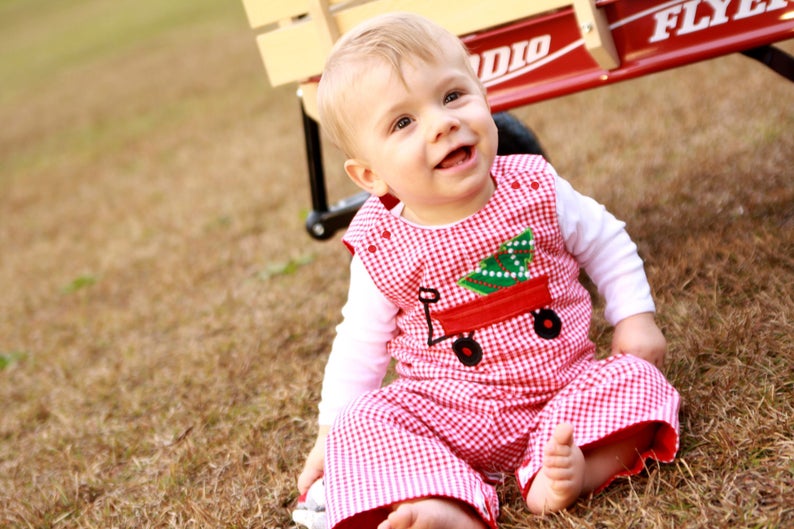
{"x":430,"y":140}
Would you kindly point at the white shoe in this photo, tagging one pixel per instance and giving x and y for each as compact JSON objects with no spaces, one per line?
{"x":310,"y":510}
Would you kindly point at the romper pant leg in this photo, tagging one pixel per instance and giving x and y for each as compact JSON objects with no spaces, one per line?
{"x":614,"y":395}
{"x":382,"y":451}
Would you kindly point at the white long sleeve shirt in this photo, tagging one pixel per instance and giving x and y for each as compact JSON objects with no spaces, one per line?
{"x":359,"y":360}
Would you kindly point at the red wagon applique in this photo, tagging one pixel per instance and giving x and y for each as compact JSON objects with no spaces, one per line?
{"x":506,"y":290}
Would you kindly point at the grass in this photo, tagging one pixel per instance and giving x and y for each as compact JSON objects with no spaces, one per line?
{"x":164,"y":319}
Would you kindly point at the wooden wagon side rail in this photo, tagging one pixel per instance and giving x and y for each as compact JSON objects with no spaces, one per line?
{"x":294,"y":38}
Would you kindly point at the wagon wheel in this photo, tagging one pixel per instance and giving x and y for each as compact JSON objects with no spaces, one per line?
{"x":515,"y":137}
{"x":547,"y":323}
{"x":467,"y":350}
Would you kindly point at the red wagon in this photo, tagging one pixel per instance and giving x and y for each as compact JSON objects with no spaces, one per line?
{"x":530,"y":296}
{"x":524,"y":51}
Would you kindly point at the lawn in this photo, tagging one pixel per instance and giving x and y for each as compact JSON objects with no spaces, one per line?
{"x":164,"y":318}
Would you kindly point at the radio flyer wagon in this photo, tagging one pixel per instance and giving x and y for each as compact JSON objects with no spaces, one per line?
{"x":524,"y":51}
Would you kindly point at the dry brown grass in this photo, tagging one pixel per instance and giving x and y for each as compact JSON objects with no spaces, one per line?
{"x":164,"y":320}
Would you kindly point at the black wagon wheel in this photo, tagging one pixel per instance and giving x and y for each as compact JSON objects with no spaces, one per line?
{"x":515,"y":137}
{"x":547,"y":323}
{"x":467,"y":350}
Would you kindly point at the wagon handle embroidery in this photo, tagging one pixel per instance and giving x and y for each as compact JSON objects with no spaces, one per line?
{"x":465,"y":347}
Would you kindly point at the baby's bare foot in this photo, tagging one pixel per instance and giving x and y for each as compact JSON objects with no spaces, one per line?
{"x":559,"y":482}
{"x":432,"y":513}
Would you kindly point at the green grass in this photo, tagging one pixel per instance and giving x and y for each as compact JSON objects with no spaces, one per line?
{"x":56,"y":51}
{"x":43,"y":39}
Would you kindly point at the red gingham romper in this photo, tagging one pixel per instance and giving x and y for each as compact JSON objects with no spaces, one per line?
{"x":444,"y":428}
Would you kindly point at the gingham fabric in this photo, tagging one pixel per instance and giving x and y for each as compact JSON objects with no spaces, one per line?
{"x":401,"y":258}
{"x":444,"y":427}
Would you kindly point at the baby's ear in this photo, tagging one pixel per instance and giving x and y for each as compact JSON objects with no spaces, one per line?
{"x":365,"y":178}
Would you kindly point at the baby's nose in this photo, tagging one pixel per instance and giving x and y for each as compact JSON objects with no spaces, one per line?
{"x":441,"y":124}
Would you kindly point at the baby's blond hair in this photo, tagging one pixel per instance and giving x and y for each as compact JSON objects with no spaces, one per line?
{"x":391,"y":39}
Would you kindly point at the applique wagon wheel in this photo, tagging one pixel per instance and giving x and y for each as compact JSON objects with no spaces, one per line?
{"x":467,"y":350}
{"x":547,"y":323}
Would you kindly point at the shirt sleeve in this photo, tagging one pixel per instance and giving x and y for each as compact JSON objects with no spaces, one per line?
{"x":603,"y":248}
{"x":359,"y":359}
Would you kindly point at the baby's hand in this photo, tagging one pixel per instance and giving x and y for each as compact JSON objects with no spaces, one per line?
{"x":313,"y":468}
{"x":638,"y":335}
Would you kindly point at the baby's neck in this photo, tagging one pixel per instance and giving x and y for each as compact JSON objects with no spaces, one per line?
{"x":440,"y":217}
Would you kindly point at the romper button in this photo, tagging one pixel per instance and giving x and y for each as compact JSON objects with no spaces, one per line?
{"x":372,"y":248}
{"x":386,"y":234}
{"x":515,"y":185}
{"x":535,"y":185}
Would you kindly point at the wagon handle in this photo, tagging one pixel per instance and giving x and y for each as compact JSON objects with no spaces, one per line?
{"x":427,"y":296}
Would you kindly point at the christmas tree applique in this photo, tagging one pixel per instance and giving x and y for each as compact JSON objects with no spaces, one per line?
{"x":508,"y":266}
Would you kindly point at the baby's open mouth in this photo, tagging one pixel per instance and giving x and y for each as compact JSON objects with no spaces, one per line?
{"x":456,"y":157}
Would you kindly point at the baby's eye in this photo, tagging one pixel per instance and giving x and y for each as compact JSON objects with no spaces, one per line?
{"x":402,"y":123}
{"x":450,"y":97}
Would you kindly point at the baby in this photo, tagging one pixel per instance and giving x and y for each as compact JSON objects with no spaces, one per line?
{"x":465,"y":273}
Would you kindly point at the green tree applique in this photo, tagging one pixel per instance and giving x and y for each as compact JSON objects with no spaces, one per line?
{"x":505,"y":268}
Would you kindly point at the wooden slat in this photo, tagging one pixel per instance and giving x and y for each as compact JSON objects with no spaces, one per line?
{"x":595,"y":31}
{"x":295,"y":52}
{"x":261,"y":13}
{"x":324,"y":23}
{"x":265,"y":12}
{"x":308,"y":92}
